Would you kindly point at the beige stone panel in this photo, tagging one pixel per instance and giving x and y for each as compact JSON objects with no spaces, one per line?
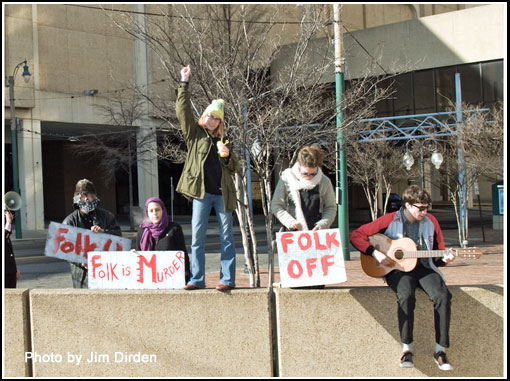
{"x":111,"y":15}
{"x":444,"y":8}
{"x":383,"y":14}
{"x":82,"y":18}
{"x":22,"y":11}
{"x":477,"y":33}
{"x":73,"y":61}
{"x":351,"y":17}
{"x":87,"y":60}
{"x":203,"y":333}
{"x":354,"y":333}
{"x":18,"y":47}
{"x":52,"y":15}
{"x":86,"y":19}
{"x":54,"y":65}
{"x":119,"y":62}
{"x":15,"y":333}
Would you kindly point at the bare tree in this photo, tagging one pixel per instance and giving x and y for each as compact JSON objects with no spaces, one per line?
{"x":114,"y":151}
{"x":475,"y":151}
{"x":375,"y":166}
{"x":270,"y":111}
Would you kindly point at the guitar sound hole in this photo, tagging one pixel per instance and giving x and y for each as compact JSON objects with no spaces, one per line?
{"x":399,"y":254}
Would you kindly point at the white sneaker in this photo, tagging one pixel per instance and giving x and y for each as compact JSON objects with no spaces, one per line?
{"x":406,"y":361}
{"x":441,"y":361}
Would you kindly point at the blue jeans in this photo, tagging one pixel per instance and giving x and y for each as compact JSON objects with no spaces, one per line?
{"x":199,"y":221}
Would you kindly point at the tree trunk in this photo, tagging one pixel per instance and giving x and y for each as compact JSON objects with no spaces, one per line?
{"x":131,"y":218}
{"x":241,"y":215}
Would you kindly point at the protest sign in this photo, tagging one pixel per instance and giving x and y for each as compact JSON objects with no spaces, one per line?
{"x":136,"y":270}
{"x":72,"y":243}
{"x":308,"y":258}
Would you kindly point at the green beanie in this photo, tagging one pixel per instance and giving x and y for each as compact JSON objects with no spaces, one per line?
{"x":216,"y":108}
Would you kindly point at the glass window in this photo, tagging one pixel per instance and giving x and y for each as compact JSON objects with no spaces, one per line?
{"x":492,"y":75}
{"x":403,"y":101}
{"x":445,"y":89}
{"x":471,"y":89}
{"x":424,"y":92}
{"x":384,"y":107}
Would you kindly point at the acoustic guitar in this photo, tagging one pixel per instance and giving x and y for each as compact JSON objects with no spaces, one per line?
{"x":404,"y":255}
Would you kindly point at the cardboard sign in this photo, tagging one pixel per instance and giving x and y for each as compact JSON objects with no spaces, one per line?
{"x":136,"y":270}
{"x":73,"y":244}
{"x":309,"y":258}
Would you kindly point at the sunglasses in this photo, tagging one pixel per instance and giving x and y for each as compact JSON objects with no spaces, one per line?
{"x":308,"y":174}
{"x":422,"y":208}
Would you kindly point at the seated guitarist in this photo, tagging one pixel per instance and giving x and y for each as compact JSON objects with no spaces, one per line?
{"x":413,"y":221}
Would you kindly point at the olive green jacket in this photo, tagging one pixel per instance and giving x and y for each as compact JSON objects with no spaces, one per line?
{"x":191,"y":184}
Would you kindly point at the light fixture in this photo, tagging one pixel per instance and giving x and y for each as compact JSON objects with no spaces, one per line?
{"x":26,"y":74}
{"x":90,"y":92}
{"x":14,"y":132}
{"x":436,"y":159}
{"x":408,"y":161}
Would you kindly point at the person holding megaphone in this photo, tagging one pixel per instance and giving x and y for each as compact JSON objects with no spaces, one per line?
{"x":12,"y":202}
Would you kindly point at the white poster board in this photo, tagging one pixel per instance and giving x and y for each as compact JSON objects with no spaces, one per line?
{"x":73,"y":244}
{"x":309,"y":258}
{"x":136,"y":270}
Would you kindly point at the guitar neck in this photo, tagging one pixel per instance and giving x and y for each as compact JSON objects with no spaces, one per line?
{"x":425,"y":253}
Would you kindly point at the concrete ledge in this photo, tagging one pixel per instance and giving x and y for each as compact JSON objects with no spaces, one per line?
{"x":354,"y":333}
{"x":337,"y":332}
{"x":203,"y":333}
{"x":15,"y":330}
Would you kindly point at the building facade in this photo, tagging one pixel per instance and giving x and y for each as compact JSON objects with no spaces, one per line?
{"x":78,"y":58}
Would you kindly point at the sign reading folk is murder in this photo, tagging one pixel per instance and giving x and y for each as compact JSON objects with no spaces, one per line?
{"x":308,"y":258}
{"x":73,"y":244}
{"x":136,"y":270}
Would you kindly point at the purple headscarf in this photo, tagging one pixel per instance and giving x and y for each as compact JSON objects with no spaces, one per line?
{"x":150,"y":229}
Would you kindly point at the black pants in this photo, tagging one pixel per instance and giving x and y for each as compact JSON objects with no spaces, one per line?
{"x":404,"y":285}
{"x":10,"y":280}
{"x":79,"y":275}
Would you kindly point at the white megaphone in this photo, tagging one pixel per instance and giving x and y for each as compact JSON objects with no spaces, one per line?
{"x":12,"y":201}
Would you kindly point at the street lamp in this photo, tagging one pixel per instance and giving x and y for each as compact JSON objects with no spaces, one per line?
{"x":436,"y":158}
{"x":26,"y":78}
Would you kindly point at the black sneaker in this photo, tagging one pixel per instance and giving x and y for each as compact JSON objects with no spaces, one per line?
{"x":441,"y":361}
{"x":406,"y":361}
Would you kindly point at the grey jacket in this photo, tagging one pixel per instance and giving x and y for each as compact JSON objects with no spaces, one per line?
{"x":287,"y":208}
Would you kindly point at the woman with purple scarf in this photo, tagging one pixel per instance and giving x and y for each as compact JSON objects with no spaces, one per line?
{"x":157,"y":233}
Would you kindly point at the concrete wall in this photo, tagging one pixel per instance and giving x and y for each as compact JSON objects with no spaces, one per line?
{"x":354,"y":333}
{"x":204,"y":333}
{"x":320,"y":333}
{"x":15,"y":333}
{"x":470,"y":35}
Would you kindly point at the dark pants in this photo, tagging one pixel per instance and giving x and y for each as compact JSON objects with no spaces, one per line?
{"x":404,"y":285}
{"x":79,"y":275}
{"x":10,"y":280}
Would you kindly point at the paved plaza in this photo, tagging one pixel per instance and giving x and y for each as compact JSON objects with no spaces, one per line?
{"x":38,"y":271}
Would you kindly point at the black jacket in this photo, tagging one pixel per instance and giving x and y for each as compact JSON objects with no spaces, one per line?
{"x":99,"y":216}
{"x":10,"y":261}
{"x":10,"y":269}
{"x":172,"y":239}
